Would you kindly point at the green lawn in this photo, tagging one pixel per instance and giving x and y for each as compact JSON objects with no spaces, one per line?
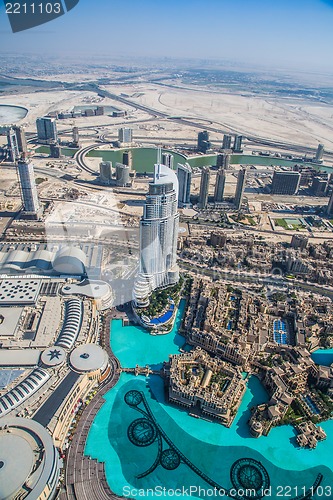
{"x":285,"y":224}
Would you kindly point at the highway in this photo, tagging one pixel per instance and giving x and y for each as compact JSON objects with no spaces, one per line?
{"x":255,"y":140}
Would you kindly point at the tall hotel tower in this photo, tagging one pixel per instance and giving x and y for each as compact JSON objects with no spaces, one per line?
{"x":184,"y":175}
{"x":158,"y":236}
{"x":28,"y":189}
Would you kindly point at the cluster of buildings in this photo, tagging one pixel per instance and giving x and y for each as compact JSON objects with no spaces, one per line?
{"x":205,"y":385}
{"x":289,"y":182}
{"x":270,"y":335}
{"x":290,"y":383}
{"x":88,"y":111}
{"x":299,"y":258}
{"x":122,"y":175}
{"x":220,"y":185}
{"x":204,"y":143}
{"x":53,"y":313}
{"x":50,"y":361}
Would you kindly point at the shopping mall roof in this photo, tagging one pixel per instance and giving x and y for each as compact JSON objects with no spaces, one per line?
{"x":16,"y":291}
{"x":88,"y":358}
{"x":9,"y":319}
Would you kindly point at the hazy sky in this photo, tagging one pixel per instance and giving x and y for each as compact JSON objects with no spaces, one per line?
{"x":272,"y":32}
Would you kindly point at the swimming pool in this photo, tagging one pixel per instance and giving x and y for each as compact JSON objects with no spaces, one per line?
{"x":280,"y":332}
{"x":311,"y":404}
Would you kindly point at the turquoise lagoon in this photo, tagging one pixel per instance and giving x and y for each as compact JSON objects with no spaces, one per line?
{"x":210,"y":447}
{"x":323,"y":357}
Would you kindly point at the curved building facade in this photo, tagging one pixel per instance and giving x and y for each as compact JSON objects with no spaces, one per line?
{"x":159,"y":227}
{"x":72,"y":324}
{"x":30,"y":464}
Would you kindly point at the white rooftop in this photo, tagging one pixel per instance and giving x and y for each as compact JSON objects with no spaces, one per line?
{"x":19,"y":357}
{"x":16,"y":291}
{"x":17,"y":460}
{"x":9,"y":318}
{"x":88,"y":358}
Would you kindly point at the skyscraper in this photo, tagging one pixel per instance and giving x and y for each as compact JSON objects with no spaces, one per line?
{"x":76,"y":136}
{"x":226,"y":144}
{"x":21,"y":139}
{"x":329,"y":209}
{"x":28,"y":188}
{"x":47,"y":129}
{"x":203,"y":141}
{"x":12,"y":144}
{"x":219,"y":186}
{"x":125,"y":135}
{"x":204,"y":187}
{"x":127,"y":158}
{"x":167,"y":160}
{"x":240,"y":188}
{"x":285,"y":183}
{"x":122,"y":174}
{"x":238,"y":144}
{"x":158,"y":236}
{"x":319,"y":153}
{"x":319,"y":186}
{"x":223,"y":160}
{"x":184,"y":174}
{"x":55,"y":150}
{"x":105,"y":172}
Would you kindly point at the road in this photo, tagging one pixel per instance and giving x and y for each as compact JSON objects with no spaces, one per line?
{"x":255,"y":140}
{"x":240,"y":277}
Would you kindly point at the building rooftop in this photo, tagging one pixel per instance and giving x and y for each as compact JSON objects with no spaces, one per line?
{"x":46,"y":412}
{"x":19,"y":357}
{"x":53,"y":356}
{"x":19,"y":291}
{"x":88,"y":358}
{"x":93,"y":289}
{"x":9,"y":319}
{"x":29,"y":461}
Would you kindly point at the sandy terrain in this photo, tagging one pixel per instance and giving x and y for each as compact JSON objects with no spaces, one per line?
{"x":291,"y":120}
{"x":297,"y":121}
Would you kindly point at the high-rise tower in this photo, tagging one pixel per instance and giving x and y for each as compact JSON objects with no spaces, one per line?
{"x":127,"y":158}
{"x":125,"y":135}
{"x":184,"y":174}
{"x":319,"y":153}
{"x":226,"y":144}
{"x":238,"y":144}
{"x":203,"y":141}
{"x":76,"y":136}
{"x":47,"y":129}
{"x":21,"y":139}
{"x":28,"y":188}
{"x":12,"y":144}
{"x":167,"y":160}
{"x":329,"y":209}
{"x":223,"y":160}
{"x":219,"y":186}
{"x":158,"y":236}
{"x":204,"y":187}
{"x":240,"y":188}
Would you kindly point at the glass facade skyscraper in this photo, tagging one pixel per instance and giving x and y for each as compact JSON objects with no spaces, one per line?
{"x":28,"y":187}
{"x":158,"y":236}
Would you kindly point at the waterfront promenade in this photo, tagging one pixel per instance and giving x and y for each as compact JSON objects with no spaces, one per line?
{"x":85,"y":477}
